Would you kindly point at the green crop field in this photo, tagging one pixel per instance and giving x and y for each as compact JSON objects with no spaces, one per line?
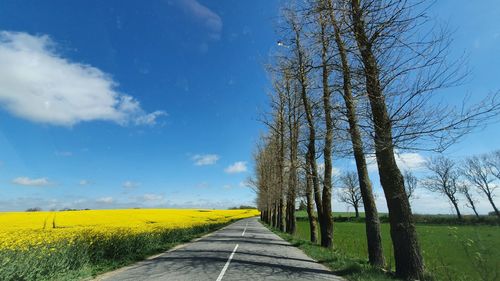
{"x":450,"y":252}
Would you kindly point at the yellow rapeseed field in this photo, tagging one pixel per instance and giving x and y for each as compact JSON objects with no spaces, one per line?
{"x":25,"y":230}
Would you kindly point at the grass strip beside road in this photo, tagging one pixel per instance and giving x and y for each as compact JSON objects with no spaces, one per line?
{"x":341,"y":264}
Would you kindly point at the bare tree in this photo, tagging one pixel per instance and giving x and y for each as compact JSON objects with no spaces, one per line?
{"x":443,"y":179}
{"x":350,"y":192}
{"x":466,"y":191}
{"x":372,"y":222}
{"x":494,"y":163}
{"x":411,"y":183}
{"x":293,"y":140}
{"x":408,"y":257}
{"x":327,"y":220}
{"x":477,"y":171}
{"x":302,"y":67}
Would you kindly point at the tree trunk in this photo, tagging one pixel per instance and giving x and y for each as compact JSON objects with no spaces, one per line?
{"x":290,"y":211}
{"x":471,"y":202}
{"x":282,"y":209}
{"x":372,"y":222}
{"x":455,"y":204}
{"x":311,"y":146}
{"x":407,"y":254}
{"x":327,"y":238}
{"x":292,"y":180}
{"x":475,"y":211}
{"x":356,"y":210}
{"x":275,"y":215}
{"x":310,"y":205}
{"x":281,"y":214}
{"x":490,"y":198}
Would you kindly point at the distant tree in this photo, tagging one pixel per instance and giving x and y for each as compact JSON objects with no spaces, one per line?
{"x":443,"y":179}
{"x":466,"y":191}
{"x":350,"y":193}
{"x":411,"y":183}
{"x":478,"y":172}
{"x":242,"y":207}
{"x":493,"y":160}
{"x":34,"y":209}
{"x":302,"y":205}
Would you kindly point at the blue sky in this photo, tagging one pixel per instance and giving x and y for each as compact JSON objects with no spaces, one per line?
{"x":111,"y":104}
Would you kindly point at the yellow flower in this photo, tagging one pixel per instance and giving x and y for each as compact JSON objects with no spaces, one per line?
{"x":23,"y":231}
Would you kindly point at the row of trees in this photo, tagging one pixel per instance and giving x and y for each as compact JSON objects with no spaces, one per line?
{"x":475,"y":175}
{"x":352,"y":78}
{"x":468,"y":180}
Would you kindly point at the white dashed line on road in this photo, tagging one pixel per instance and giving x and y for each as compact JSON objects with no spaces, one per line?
{"x":243,"y":234}
{"x":227,"y":264}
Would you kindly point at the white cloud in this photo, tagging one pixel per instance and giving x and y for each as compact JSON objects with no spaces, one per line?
{"x":405,"y":161}
{"x":205,"y":159}
{"x":38,"y":84}
{"x":84,"y":182}
{"x":31,"y":182}
{"x":237,"y":167}
{"x":321,"y":170}
{"x":150,"y":197}
{"x":410,"y":161}
{"x":105,"y":200}
{"x":130,"y":184}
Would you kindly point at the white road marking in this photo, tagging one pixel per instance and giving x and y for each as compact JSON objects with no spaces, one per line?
{"x":243,"y":234}
{"x":227,"y":264}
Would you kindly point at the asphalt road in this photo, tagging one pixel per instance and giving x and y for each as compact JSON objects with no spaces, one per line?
{"x":244,"y":250}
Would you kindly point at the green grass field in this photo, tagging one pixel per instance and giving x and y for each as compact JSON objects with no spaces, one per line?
{"x":468,"y":252}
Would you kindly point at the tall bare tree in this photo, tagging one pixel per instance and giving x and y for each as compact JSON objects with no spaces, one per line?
{"x":444,"y":180}
{"x":408,"y":257}
{"x":327,"y":220}
{"x":302,"y":67}
{"x":374,"y":241}
{"x":293,"y":140}
{"x":478,"y":172}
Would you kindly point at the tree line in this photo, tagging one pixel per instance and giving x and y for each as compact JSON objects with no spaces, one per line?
{"x":479,"y":174}
{"x":469,"y":180}
{"x":357,"y":79}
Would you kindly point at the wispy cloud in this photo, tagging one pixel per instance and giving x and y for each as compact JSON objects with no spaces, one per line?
{"x":151,"y":197}
{"x":39,"y":84}
{"x":26,"y":181}
{"x":237,"y":167}
{"x":64,"y":153}
{"x":321,"y":169}
{"x":211,"y":21}
{"x":205,"y":159}
{"x":105,"y":200}
{"x":130,"y":184}
{"x":84,"y":182}
{"x":203,"y":185}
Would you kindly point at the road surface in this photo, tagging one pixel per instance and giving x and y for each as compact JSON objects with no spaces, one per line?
{"x":244,"y":250}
